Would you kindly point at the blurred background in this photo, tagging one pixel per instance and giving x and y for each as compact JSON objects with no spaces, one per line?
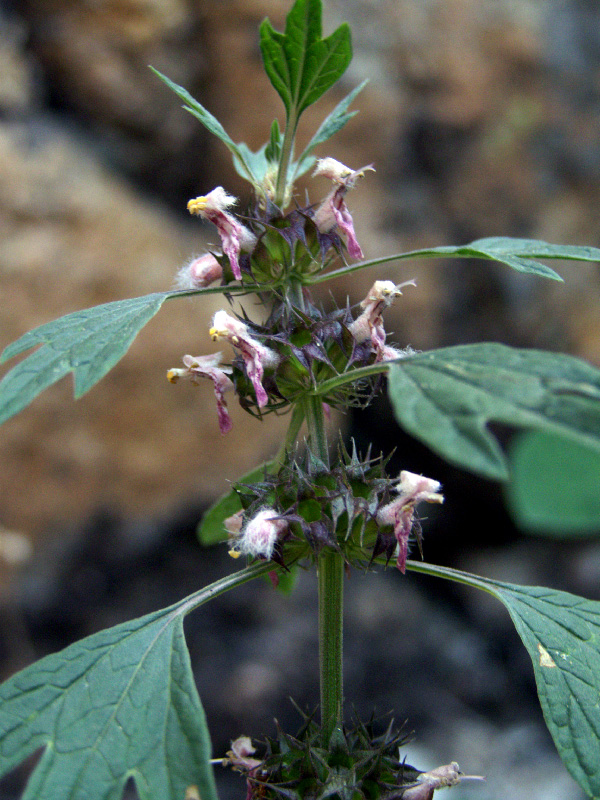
{"x":482,"y":118}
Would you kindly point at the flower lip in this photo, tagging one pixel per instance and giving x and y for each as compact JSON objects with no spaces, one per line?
{"x":256,"y":356}
{"x":400,"y":513}
{"x":197,"y":367}
{"x":235,"y":237}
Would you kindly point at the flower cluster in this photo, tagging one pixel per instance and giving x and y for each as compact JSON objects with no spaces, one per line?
{"x":280,"y":362}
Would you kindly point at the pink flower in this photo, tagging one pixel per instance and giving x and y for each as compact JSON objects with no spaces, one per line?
{"x":207,"y":367}
{"x":370,"y":323}
{"x":240,"y":754}
{"x":400,"y":513}
{"x":259,"y":535}
{"x":199,"y":272}
{"x":438,"y":778}
{"x":333,"y":210}
{"x":256,"y":356}
{"x":234,"y":236}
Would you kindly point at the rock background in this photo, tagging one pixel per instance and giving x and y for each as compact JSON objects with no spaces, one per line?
{"x":481,"y":118}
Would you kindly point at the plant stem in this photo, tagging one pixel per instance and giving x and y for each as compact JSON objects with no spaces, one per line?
{"x":330,"y":569}
{"x":287,"y":151}
{"x":331,"y":646}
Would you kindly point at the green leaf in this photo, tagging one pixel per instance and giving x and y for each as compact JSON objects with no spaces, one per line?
{"x":88,"y":343}
{"x":446,"y":397}
{"x":299,"y":63}
{"x":212,"y":124}
{"x":121,"y":703}
{"x":211,"y":529}
{"x":333,"y":123}
{"x":555,"y":485}
{"x":562,"y":635}
{"x":519,"y":254}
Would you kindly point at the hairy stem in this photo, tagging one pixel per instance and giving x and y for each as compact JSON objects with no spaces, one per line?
{"x":330,"y":569}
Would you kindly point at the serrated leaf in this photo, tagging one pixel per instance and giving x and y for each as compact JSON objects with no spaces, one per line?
{"x":119,"y":704}
{"x":555,"y":485}
{"x":212,"y":124}
{"x":299,"y":63}
{"x":333,"y":123}
{"x":88,"y":343}
{"x":211,"y":529}
{"x":562,"y":635}
{"x":446,"y":397}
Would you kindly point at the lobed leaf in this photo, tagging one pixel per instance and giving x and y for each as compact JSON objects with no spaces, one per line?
{"x":299,"y":63}
{"x":119,"y":704}
{"x":446,"y":397}
{"x":562,"y":635}
{"x":87,"y":343}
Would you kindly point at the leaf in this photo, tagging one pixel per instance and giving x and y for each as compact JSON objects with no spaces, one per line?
{"x":299,"y":63}
{"x":121,"y":703}
{"x":333,"y":123}
{"x":211,"y":529}
{"x":518,"y":254}
{"x":88,"y":343}
{"x":555,"y":485}
{"x":562,"y":635}
{"x":446,"y":397}
{"x":212,"y":124}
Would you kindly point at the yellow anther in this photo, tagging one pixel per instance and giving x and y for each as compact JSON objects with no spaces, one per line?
{"x":197,"y":205}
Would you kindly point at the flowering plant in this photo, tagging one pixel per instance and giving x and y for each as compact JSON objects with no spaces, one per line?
{"x":123,"y":704}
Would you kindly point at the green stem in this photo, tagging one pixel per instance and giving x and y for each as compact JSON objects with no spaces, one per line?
{"x":330,"y":568}
{"x":315,"y":422}
{"x":287,"y":150}
{"x":331,"y":646}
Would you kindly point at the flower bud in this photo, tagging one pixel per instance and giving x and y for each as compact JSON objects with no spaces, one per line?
{"x":199,"y":273}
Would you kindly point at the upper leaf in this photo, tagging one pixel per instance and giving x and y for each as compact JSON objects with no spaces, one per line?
{"x":333,"y":123}
{"x":212,"y":124}
{"x":519,"y":254}
{"x":119,"y":704}
{"x":300,"y":64}
{"x":446,"y":397}
{"x":87,"y":343}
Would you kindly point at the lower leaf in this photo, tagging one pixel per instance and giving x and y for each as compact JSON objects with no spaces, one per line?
{"x":562,"y":635}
